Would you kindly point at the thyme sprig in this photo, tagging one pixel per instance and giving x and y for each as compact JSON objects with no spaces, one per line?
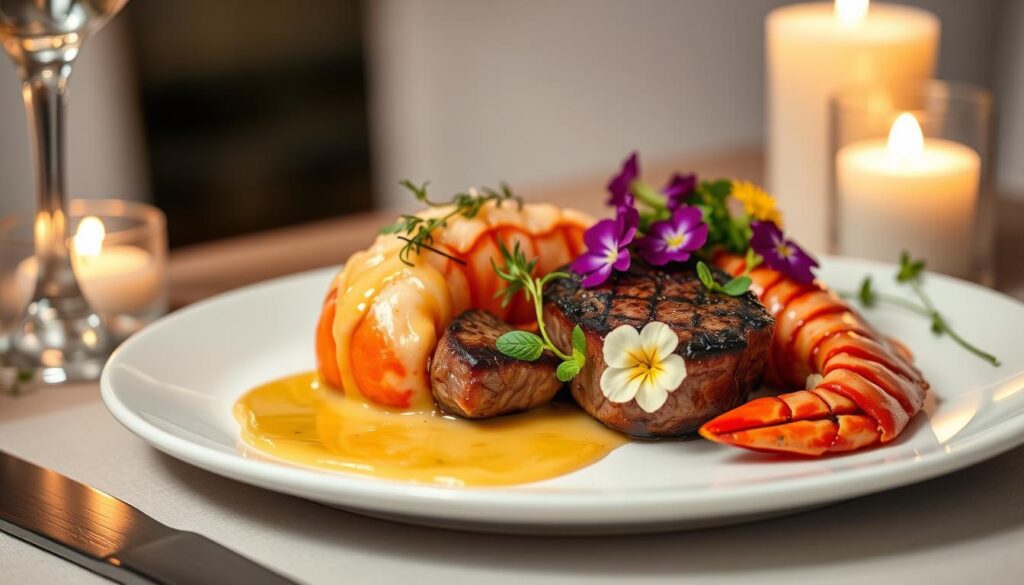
{"x":910,"y":272}
{"x":524,"y":345}
{"x":418,"y":232}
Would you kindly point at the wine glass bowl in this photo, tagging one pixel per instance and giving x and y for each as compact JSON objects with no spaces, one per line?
{"x":51,"y":31}
{"x":40,"y":18}
{"x":59,"y":336}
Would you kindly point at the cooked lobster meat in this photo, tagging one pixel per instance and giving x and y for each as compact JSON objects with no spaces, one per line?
{"x":471,"y":378}
{"x":724,"y":341}
{"x":382,"y":318}
{"x":861,"y":388}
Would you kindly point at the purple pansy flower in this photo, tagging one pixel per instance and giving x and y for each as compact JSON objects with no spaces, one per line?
{"x":679,"y":189}
{"x":676,"y":191}
{"x":606,"y":242}
{"x":781,"y":254}
{"x":621,"y":184}
{"x":673,"y":239}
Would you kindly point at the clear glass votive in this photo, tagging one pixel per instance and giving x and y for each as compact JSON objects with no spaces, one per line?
{"x":119,"y":254}
{"x":911,"y":170}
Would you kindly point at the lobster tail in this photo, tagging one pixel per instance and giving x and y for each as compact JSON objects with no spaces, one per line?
{"x":861,"y":387}
{"x":385,"y":311}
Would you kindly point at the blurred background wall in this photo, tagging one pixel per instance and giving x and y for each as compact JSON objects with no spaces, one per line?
{"x":468,"y":92}
{"x":236,"y":116}
{"x":105,"y":133}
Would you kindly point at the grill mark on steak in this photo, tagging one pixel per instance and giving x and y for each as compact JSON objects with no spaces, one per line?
{"x":707,"y":322}
{"x":723,"y":339}
{"x":471,"y":378}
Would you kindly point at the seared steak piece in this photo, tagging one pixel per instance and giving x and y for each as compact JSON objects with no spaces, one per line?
{"x":471,"y":378}
{"x":724,"y":340}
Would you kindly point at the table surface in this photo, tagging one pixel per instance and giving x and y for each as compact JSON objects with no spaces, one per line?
{"x":964,"y":527}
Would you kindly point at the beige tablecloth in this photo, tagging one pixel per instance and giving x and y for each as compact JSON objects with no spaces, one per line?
{"x":965,"y":528}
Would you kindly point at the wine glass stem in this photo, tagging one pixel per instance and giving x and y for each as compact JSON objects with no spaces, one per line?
{"x":43,"y":88}
{"x":59,"y":335}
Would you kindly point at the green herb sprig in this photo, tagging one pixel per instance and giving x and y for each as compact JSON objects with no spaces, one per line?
{"x":910,"y":272}
{"x":524,"y":345}
{"x":724,"y":230}
{"x":737,"y":285}
{"x":418,"y":232}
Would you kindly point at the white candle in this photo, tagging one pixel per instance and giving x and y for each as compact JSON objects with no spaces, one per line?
{"x":908,"y":193}
{"x":813,"y":50}
{"x":114,"y":279}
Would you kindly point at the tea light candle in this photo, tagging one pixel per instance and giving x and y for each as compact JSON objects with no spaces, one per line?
{"x":813,"y":50}
{"x":114,"y":279}
{"x":909,"y":193}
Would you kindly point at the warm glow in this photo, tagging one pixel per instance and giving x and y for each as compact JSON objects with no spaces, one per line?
{"x":851,"y":12}
{"x":906,"y":142}
{"x":89,"y":237}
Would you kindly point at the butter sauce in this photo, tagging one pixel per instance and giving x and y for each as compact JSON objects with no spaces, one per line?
{"x":297,"y":420}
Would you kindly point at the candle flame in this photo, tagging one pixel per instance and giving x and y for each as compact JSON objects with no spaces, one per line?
{"x":89,"y":237}
{"x":906,"y":141}
{"x":851,"y":12}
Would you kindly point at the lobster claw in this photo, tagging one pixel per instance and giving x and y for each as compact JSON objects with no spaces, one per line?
{"x":808,"y":422}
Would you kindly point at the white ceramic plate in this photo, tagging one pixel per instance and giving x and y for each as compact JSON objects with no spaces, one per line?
{"x":174,"y":385}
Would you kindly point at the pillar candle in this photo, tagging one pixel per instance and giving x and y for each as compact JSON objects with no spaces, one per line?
{"x":813,"y":50}
{"x":909,"y":193}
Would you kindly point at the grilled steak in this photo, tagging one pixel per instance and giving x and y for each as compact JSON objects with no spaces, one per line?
{"x":723,"y":339}
{"x":471,"y":378}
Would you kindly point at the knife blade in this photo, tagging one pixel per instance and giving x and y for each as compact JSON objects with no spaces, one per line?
{"x":107,"y":536}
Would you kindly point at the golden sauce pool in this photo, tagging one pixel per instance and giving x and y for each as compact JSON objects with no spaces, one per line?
{"x":296,"y":420}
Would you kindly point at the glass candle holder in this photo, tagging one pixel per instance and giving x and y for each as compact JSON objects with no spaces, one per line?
{"x":911,"y":170}
{"x":119,"y":255}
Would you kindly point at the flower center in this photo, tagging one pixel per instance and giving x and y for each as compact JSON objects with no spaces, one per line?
{"x":675,"y":241}
{"x":647,"y":367}
{"x":611,"y":256}
{"x":783,"y":249}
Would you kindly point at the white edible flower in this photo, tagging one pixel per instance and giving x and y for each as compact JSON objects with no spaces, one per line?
{"x":642,"y":365}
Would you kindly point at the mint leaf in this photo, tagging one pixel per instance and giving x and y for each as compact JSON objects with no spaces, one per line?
{"x":521,"y":345}
{"x":704,"y":274}
{"x":737,"y":286}
{"x":579,"y":341}
{"x":568,"y":369}
{"x":580,"y":357}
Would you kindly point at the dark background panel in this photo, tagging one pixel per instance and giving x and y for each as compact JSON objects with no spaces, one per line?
{"x":254,"y":112}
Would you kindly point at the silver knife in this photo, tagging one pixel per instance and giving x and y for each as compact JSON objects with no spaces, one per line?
{"x":109,"y":537}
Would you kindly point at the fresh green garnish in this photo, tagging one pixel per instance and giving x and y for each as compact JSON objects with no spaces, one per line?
{"x":524,"y":345}
{"x":418,"y":232}
{"x":733,"y":233}
{"x":910,"y":273}
{"x":735,"y":286}
{"x":910,"y":269}
{"x":521,"y":345}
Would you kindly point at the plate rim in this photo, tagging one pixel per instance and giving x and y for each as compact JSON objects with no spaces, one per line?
{"x":574,"y":507}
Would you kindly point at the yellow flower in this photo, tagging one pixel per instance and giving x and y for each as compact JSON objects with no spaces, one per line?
{"x":760,"y":205}
{"x":642,"y":365}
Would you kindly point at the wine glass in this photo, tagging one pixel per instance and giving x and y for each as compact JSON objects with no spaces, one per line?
{"x":59,"y":335}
